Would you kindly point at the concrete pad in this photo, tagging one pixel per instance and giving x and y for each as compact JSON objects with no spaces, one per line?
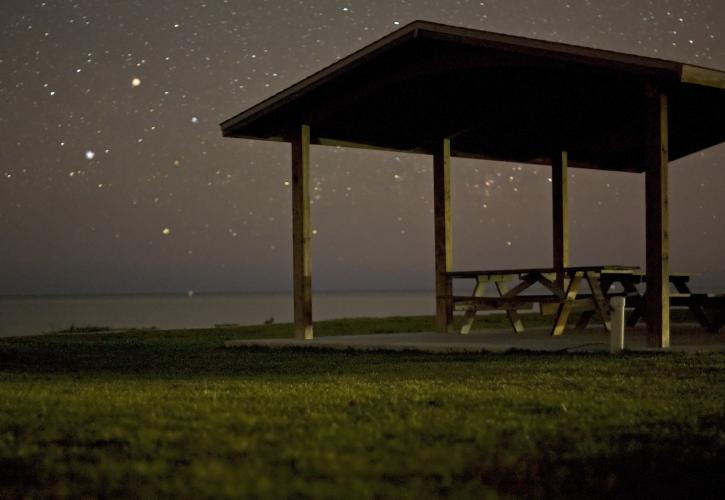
{"x":686,"y":338}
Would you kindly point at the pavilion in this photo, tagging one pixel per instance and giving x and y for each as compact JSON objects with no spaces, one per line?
{"x":449,"y":91}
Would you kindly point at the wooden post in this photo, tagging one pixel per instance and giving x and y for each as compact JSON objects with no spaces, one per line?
{"x":656,"y":186}
{"x":443,"y":246}
{"x":301,"y":232}
{"x":560,"y":213}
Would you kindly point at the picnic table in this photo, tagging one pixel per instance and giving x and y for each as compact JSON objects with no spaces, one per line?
{"x":562,"y":293}
{"x":707,"y":308}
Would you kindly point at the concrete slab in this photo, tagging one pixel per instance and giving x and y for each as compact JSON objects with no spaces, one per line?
{"x":685,"y":338}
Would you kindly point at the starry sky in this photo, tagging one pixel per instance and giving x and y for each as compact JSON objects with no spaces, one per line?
{"x":114,"y":176}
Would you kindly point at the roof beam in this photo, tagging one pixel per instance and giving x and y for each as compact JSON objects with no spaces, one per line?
{"x":703,"y":76}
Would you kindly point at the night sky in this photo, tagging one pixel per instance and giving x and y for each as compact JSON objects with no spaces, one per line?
{"x":114,"y":176}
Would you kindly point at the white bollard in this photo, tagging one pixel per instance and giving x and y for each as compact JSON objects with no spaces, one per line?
{"x":616,"y":339}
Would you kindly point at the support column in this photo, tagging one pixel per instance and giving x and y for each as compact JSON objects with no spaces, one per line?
{"x":302,"y":275}
{"x":443,"y":243}
{"x":560,"y":212}
{"x":657,"y":220}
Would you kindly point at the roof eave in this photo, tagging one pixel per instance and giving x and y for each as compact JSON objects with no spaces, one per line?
{"x":706,"y":77}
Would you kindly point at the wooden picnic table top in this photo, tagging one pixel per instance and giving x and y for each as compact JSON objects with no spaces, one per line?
{"x":544,"y":270}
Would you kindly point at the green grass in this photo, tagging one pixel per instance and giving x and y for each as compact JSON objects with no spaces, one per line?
{"x":174,"y":414}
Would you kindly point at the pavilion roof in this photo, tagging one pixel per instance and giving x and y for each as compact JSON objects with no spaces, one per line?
{"x":495,"y":96}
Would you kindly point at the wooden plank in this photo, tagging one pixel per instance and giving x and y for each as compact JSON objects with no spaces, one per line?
{"x":496,"y":277}
{"x":487,"y":275}
{"x":498,"y":305}
{"x":552,"y":285}
{"x":680,"y":283}
{"x":512,"y":314}
{"x":512,"y":302}
{"x":565,"y":308}
{"x":703,"y":76}
{"x":543,"y":298}
{"x":560,"y":213}
{"x":526,"y":283}
{"x":443,"y":237}
{"x":512,"y":273}
{"x":657,"y":219}
{"x":326,"y":141}
{"x":579,"y":305}
{"x":302,"y":275}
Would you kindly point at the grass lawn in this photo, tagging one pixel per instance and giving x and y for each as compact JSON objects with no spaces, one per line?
{"x":173,"y":413}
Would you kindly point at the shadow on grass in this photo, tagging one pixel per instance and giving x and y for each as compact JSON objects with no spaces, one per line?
{"x":673,"y":463}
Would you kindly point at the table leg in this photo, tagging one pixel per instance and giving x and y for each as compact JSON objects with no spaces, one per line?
{"x":470,"y":315}
{"x":512,"y":314}
{"x":550,"y":284}
{"x":637,"y":313}
{"x":699,"y":312}
{"x":680,"y":284}
{"x":605,"y":283}
{"x":584,"y":320}
{"x":693,"y":304}
{"x":718,"y":321}
{"x":600,"y":303}
{"x":635,"y":300}
{"x":562,"y":314}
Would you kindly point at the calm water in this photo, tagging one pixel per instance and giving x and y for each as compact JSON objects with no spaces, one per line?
{"x":33,"y":315}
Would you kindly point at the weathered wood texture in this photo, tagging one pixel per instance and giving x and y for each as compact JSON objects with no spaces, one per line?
{"x":302,"y":275}
{"x":657,"y":219}
{"x":443,"y":241}
{"x":560,"y":212}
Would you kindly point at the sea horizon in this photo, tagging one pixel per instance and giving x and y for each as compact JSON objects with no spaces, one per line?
{"x":33,"y":314}
{"x":37,"y":314}
{"x":185,"y":293}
